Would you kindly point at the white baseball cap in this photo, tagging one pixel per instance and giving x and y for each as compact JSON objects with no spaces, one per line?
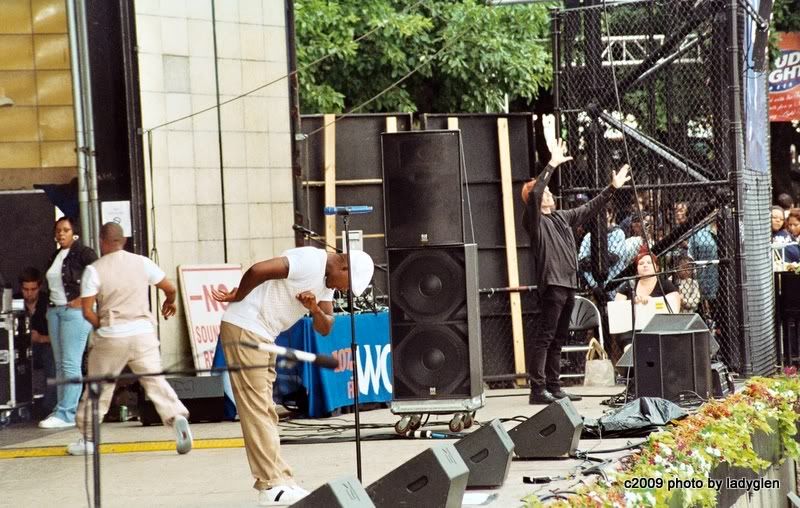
{"x":362,"y":269}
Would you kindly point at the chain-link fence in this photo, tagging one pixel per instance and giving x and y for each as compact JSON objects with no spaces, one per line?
{"x":649,"y":83}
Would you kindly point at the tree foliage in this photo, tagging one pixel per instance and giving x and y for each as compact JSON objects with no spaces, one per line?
{"x":467,"y":55}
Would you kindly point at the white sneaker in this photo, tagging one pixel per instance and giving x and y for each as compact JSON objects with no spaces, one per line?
{"x":183,"y":434}
{"x":282,"y":495}
{"x":80,"y":447}
{"x":54,"y":422}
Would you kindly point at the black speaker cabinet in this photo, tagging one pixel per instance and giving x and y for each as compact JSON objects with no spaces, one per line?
{"x":672,"y":355}
{"x":203,"y":396}
{"x":436,"y":478}
{"x":487,"y":453}
{"x":344,"y":492}
{"x":435,"y":322}
{"x":422,"y":188}
{"x":552,"y":432}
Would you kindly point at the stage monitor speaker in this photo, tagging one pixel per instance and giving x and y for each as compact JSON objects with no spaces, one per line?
{"x":344,"y":492}
{"x":435,"y":323}
{"x":436,"y":478}
{"x":203,"y":396}
{"x":672,"y":355}
{"x":422,"y":188}
{"x":487,"y":453}
{"x":552,"y":432}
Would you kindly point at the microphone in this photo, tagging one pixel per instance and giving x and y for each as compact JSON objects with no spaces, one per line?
{"x":704,"y":263}
{"x":301,"y":229}
{"x":347,"y":210}
{"x":324,"y":361}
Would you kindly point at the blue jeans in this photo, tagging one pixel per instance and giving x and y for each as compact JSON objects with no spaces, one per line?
{"x":69,"y":332}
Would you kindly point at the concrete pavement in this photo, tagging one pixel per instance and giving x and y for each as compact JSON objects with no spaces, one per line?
{"x":219,"y":476}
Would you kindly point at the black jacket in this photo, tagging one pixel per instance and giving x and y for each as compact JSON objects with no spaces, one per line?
{"x":552,"y":242}
{"x":78,"y":258}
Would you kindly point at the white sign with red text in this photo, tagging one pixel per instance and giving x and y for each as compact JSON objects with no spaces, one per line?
{"x":203,"y":313}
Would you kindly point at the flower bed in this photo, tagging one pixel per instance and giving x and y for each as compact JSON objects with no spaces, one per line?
{"x":750,"y":430}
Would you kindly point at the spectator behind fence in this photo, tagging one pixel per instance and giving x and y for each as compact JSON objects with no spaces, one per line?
{"x":67,"y":327}
{"x":703,"y":247}
{"x":785,"y":201}
{"x":687,"y":286}
{"x":776,"y":220}
{"x":621,"y":251}
{"x":792,"y":228}
{"x":44,"y":365}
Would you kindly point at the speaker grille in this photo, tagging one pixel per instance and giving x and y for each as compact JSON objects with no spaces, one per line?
{"x":422,"y":188}
{"x":434,"y":323}
{"x":428,"y":285}
{"x":430,"y":360}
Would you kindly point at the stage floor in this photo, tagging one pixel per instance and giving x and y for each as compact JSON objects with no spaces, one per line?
{"x":216,"y":473}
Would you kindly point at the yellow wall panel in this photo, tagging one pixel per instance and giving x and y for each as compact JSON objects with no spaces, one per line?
{"x":52,"y":51}
{"x":16,"y":52}
{"x":16,"y":17}
{"x":49,"y":16}
{"x":54,"y":88}
{"x":20,"y":86}
{"x":18,"y":124}
{"x":58,"y":154}
{"x":19,"y":155}
{"x":56,"y":123}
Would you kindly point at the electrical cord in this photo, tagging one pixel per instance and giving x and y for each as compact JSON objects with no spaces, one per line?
{"x":627,"y":152}
{"x":280,"y":78}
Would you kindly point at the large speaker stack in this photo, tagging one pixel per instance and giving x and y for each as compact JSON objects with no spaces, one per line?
{"x":433,"y":276}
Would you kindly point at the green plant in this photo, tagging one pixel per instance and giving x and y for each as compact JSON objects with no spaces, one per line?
{"x":689,"y":450}
{"x":468,"y":54}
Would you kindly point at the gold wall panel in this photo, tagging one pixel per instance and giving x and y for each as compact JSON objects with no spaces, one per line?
{"x":52,"y":51}
{"x":54,"y":88}
{"x":49,"y":16}
{"x":58,"y":154}
{"x":19,"y":155}
{"x":18,"y":124}
{"x":15,"y":17}
{"x":16,"y":52}
{"x":56,"y":123}
{"x":20,"y":86}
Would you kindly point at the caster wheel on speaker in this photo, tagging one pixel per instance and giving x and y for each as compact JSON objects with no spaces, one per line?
{"x":403,"y":425}
{"x":457,"y":423}
{"x":416,"y":422}
{"x":469,"y":420}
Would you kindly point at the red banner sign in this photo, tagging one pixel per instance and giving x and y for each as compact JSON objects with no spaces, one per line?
{"x":784,"y":80}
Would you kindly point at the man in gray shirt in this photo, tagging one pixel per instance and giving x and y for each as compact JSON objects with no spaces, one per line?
{"x":554,"y":271}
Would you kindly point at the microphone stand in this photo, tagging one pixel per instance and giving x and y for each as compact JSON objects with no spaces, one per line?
{"x":353,"y":344}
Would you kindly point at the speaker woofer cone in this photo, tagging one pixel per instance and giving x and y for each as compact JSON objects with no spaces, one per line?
{"x":428,"y":285}
{"x":432,"y":357}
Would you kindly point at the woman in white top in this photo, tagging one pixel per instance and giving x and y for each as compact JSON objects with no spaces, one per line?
{"x":68,"y":329}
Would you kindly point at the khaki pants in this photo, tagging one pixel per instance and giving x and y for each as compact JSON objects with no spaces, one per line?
{"x":252,"y":389}
{"x":108,"y":356}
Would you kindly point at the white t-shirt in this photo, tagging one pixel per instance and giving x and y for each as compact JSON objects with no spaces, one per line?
{"x":272,"y":306}
{"x":90,"y":286}
{"x":58,"y":295}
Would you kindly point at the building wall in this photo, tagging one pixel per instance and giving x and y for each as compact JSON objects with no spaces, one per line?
{"x":37,"y":133}
{"x":177,"y":78}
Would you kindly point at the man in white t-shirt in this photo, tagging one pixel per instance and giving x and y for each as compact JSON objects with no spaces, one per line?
{"x":271,"y":297}
{"x":124,"y":333}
